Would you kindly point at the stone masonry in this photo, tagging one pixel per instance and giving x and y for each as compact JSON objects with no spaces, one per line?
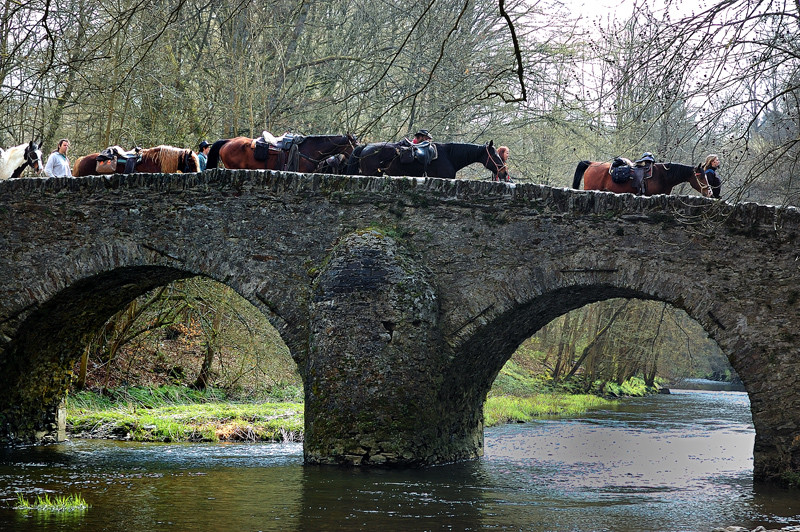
{"x":400,"y":299}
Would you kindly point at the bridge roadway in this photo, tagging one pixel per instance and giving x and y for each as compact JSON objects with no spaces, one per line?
{"x":400,"y":299}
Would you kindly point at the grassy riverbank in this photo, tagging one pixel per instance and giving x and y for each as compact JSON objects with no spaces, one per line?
{"x":175,"y":413}
{"x":508,"y":409}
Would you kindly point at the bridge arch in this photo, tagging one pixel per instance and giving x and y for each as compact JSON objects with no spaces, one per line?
{"x":465,"y":271}
{"x":50,"y":336}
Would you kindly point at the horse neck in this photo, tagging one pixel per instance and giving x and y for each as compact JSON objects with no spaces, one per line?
{"x":675,"y":174}
{"x":12,"y":159}
{"x":461,"y":154}
{"x":328,"y":145}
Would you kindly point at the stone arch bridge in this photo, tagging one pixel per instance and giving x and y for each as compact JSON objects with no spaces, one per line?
{"x":400,"y":299}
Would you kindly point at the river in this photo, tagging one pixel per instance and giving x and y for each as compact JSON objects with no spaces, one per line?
{"x":680,"y":462}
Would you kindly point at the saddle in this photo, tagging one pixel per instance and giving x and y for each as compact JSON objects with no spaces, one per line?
{"x":106,"y":161}
{"x":285,"y":147}
{"x":424,"y":152}
{"x":623,"y":170}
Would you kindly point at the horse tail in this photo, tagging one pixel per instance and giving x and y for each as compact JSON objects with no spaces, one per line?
{"x":213,"y":154}
{"x":352,"y":167}
{"x":582,"y":166}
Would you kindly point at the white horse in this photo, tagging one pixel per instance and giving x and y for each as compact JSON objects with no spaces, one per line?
{"x":14,"y":160}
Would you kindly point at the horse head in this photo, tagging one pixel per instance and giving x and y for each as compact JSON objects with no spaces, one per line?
{"x":189,"y":162}
{"x":33,"y":156}
{"x":496,"y":163}
{"x":700,"y":183}
{"x":352,"y":140}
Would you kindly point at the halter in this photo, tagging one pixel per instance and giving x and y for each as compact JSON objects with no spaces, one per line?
{"x":496,"y":173}
{"x":703,"y":188}
{"x":32,"y":158}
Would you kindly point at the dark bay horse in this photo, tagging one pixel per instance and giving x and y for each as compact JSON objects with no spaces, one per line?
{"x":160,"y":159}
{"x":384,"y":158}
{"x":315,"y":153}
{"x":597,"y":176}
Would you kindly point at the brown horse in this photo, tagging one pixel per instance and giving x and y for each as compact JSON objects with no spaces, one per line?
{"x":157,"y":160}
{"x":315,"y":153}
{"x":665,"y":176}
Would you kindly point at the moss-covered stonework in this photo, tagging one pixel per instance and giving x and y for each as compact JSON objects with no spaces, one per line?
{"x":400,"y":299}
{"x":375,"y":342}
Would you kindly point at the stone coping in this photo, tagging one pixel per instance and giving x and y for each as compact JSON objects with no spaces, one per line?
{"x":434,"y":189}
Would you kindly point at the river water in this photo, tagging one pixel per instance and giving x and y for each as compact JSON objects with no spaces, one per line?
{"x":680,"y":462}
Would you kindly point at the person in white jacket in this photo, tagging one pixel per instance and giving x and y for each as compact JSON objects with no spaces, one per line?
{"x":58,"y":163}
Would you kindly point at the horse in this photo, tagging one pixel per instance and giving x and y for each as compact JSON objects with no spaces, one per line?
{"x":386,"y":158}
{"x":665,"y":176}
{"x":14,"y":160}
{"x":314,"y":153}
{"x":156,"y":160}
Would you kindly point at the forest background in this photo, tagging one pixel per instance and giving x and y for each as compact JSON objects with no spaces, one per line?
{"x":553,"y":84}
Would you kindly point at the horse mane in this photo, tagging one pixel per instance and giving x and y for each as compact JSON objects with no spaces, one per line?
{"x":167,"y":156}
{"x":459,"y":151}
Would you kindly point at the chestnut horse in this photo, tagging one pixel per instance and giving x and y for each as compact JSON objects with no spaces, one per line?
{"x":665,"y":176}
{"x":315,"y":153}
{"x":383,"y":158}
{"x":158,"y":160}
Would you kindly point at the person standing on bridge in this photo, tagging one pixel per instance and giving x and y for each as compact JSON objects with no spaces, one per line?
{"x":202,"y":155}
{"x":58,"y":163}
{"x":710,"y":168}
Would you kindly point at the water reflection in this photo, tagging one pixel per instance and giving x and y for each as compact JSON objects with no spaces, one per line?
{"x":678,"y":462}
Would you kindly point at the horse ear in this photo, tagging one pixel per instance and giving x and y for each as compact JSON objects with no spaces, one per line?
{"x":491,"y":143}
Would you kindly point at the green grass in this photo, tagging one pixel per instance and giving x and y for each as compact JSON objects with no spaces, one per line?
{"x":59,"y":503}
{"x":175,"y":413}
{"x":506,"y":409}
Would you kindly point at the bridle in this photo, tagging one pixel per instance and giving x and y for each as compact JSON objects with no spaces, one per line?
{"x":498,"y":168}
{"x":32,"y":158}
{"x":705,"y":189}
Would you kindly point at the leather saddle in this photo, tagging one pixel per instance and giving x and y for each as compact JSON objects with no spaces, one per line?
{"x":424,"y":152}
{"x":285,"y":147}
{"x":107,"y":160}
{"x":623,"y":170}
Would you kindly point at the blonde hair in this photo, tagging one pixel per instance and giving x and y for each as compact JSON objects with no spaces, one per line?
{"x":709,"y":160}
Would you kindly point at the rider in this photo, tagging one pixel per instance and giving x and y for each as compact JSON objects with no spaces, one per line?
{"x":421,"y":136}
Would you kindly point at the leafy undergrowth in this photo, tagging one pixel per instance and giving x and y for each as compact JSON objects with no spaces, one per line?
{"x":175,"y":413}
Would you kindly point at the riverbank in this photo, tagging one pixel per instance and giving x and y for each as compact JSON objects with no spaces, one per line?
{"x":179,"y":414}
{"x":174,"y":413}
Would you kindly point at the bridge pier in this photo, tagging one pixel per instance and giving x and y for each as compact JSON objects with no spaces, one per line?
{"x":375,"y":368}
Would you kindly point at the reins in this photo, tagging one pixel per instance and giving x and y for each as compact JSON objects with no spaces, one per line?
{"x":497,"y":168}
{"x":705,"y":187}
